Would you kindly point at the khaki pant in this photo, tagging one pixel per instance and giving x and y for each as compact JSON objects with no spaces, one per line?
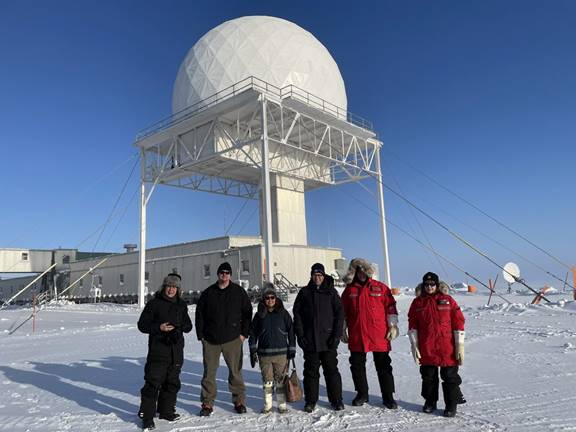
{"x":232,"y":352}
{"x":273,"y":368}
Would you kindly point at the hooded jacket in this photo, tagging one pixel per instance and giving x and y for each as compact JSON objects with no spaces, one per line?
{"x":272,"y":333}
{"x":223,"y":314}
{"x":165,"y":346}
{"x":436,"y":316}
{"x":318,"y":316}
{"x":366,"y":307}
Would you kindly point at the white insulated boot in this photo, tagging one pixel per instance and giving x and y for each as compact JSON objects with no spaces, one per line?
{"x":281,"y":398}
{"x":268,"y":390}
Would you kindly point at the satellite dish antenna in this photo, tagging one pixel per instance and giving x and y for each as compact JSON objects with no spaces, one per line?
{"x":511,"y":273}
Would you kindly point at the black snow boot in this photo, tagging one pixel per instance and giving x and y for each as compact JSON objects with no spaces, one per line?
{"x":309,"y":407}
{"x":429,"y":407}
{"x":171,"y":417}
{"x":450,"y":399}
{"x":148,"y":424}
{"x":389,"y":402}
{"x":359,"y":400}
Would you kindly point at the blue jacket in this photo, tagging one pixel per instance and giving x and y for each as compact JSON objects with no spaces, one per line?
{"x":272,"y":333}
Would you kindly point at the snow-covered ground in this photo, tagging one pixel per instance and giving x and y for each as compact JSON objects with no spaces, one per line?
{"x":83,"y":368}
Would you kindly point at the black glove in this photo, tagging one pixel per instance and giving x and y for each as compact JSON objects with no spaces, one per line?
{"x":253,"y":359}
{"x":303,"y":342}
{"x":290,"y":354}
{"x":332,"y":342}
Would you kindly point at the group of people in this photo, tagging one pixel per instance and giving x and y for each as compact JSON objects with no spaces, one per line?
{"x":364,"y":317}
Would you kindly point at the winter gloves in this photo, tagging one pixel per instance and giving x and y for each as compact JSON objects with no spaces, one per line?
{"x":333,"y":342}
{"x":253,"y":359}
{"x":413,"y":336}
{"x":392,"y":332}
{"x":459,"y":346}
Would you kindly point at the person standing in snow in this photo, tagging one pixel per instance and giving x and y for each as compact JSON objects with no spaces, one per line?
{"x":223,"y":316}
{"x":318,"y":320}
{"x":436,"y":332}
{"x":164,"y":318}
{"x":372,"y":323}
{"x":272,"y":344}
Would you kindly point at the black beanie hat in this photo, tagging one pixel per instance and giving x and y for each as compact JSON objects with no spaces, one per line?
{"x":317,"y":268}
{"x":431,"y":277}
{"x":224,"y":266}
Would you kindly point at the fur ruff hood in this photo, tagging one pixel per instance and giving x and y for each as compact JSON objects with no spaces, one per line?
{"x":355,"y":264}
{"x":443,"y":288}
{"x":263,"y":310}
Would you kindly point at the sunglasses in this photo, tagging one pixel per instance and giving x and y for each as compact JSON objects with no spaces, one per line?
{"x":430,"y":284}
{"x":270,"y":298}
{"x":224,"y":272}
{"x":171,"y":286}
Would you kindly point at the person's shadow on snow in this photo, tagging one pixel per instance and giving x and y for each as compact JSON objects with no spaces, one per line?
{"x":63,"y":387}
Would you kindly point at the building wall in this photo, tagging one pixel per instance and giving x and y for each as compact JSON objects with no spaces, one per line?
{"x":24,"y":260}
{"x":196,"y":262}
{"x":9,"y":287}
{"x":295,"y":262}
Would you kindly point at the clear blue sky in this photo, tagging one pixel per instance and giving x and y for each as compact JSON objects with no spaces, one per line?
{"x":480,"y":95}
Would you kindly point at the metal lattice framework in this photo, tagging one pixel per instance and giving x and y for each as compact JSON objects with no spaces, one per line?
{"x":230,"y":144}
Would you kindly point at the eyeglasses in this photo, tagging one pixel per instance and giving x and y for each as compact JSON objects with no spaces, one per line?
{"x":224,"y":272}
{"x":432,"y":284}
{"x":270,"y":298}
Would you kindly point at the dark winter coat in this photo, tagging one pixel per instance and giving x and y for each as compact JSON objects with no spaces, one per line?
{"x":366,"y":308}
{"x":165,"y":346}
{"x":318,"y":316}
{"x":222,"y":315}
{"x":435,"y":317}
{"x":272,"y":333}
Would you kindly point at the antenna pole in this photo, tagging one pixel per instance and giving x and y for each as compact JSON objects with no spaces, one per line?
{"x":142,"y":251}
{"x":383,"y":220}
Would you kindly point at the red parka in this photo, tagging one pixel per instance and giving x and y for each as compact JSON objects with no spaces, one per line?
{"x":366,"y":308}
{"x":435,"y":317}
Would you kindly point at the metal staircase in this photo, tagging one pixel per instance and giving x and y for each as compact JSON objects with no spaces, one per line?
{"x":283,"y":286}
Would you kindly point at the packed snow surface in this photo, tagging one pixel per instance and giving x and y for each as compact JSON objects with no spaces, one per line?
{"x":82,"y":369}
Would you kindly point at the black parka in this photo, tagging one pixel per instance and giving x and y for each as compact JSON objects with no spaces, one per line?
{"x":223,"y":314}
{"x":272,"y":333}
{"x":165,"y":346}
{"x":318,"y":316}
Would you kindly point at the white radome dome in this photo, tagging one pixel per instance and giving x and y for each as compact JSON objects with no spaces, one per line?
{"x":271,"y":49}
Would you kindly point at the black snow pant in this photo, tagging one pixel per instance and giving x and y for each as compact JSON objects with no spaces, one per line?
{"x":383,"y":365}
{"x":329,"y":361}
{"x":450,"y":385}
{"x":161,"y":386}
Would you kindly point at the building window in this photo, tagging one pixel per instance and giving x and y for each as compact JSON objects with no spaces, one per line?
{"x":66,"y":259}
{"x":99,"y":281}
{"x":146,"y":276}
{"x":121,"y":279}
{"x":81,"y":283}
{"x":206,"y":271}
{"x":245,"y":266}
{"x":24,"y":256}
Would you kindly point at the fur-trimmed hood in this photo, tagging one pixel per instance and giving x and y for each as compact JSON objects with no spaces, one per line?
{"x":443,"y":288}
{"x":355,"y":264}
{"x":263,"y":310}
